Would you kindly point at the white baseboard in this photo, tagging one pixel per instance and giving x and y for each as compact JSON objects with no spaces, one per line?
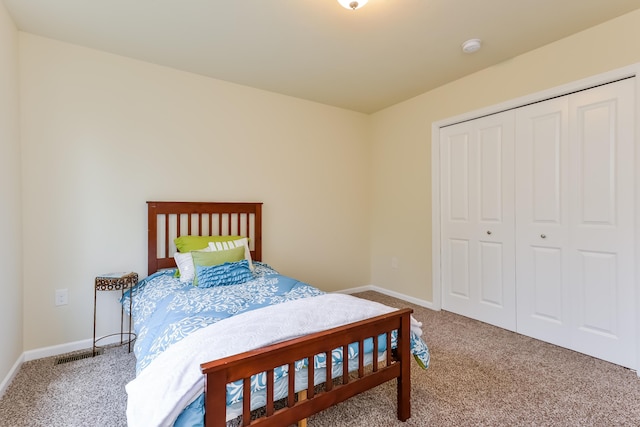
{"x":416,"y":301}
{"x":55,"y":350}
{"x":11,"y":375}
{"x":356,"y":290}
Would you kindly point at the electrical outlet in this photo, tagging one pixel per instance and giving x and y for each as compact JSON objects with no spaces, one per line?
{"x":394,"y":262}
{"x":62,"y":297}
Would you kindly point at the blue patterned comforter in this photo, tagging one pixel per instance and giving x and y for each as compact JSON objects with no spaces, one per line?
{"x":166,"y":310}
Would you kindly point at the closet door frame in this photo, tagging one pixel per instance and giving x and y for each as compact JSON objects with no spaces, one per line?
{"x":597,"y":80}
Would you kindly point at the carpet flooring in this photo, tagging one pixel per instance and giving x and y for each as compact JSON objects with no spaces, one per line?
{"x":480,"y":375}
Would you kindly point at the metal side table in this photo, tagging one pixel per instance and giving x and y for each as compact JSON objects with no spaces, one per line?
{"x":114,"y":282}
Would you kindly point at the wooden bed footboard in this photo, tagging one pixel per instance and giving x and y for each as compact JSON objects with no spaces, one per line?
{"x":242,"y":366}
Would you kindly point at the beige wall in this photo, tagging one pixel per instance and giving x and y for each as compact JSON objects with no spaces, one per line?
{"x":102,"y":134}
{"x":401,"y":141}
{"x":10,"y":211}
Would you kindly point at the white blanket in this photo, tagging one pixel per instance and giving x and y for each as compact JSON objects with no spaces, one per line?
{"x":173,"y":380}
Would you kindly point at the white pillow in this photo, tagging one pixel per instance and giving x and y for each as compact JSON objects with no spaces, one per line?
{"x":184,"y":261}
{"x":223,"y":246}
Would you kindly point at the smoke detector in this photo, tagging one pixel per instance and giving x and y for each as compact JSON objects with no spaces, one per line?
{"x":471,"y":45}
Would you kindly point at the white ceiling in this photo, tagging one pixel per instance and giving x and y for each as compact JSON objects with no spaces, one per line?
{"x":364,"y":60}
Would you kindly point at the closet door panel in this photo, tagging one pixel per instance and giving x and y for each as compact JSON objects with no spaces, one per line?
{"x":458,"y":177}
{"x":545,"y":139}
{"x":459,"y":268}
{"x":477,"y":219}
{"x":542,"y":274}
{"x":490,"y":173}
{"x":602,"y":221}
{"x":458,"y":227}
{"x":547,"y":285}
{"x":598,"y":294}
{"x":596,"y":148}
{"x":491,"y":280}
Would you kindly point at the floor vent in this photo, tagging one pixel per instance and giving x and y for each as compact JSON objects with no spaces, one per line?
{"x":77,"y":356}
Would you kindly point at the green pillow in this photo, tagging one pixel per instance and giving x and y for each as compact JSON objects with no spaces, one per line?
{"x":208,"y":259}
{"x":195,"y":243}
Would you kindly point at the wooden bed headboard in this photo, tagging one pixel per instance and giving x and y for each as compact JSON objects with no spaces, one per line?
{"x":168,"y":220}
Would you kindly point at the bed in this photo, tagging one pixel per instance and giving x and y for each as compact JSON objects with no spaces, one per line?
{"x":304,"y":351}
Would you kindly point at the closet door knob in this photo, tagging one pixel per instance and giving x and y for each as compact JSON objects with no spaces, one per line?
{"x":489,"y":232}
{"x":543,"y":236}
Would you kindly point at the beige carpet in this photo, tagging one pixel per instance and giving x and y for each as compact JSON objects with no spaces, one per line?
{"x":480,"y":375}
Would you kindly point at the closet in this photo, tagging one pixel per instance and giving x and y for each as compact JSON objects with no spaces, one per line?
{"x":537,"y":220}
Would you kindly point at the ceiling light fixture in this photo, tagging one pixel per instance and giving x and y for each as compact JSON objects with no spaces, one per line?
{"x":471,"y":46}
{"x":352,"y":4}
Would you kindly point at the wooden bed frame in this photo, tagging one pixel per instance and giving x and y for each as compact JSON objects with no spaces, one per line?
{"x":168,"y":220}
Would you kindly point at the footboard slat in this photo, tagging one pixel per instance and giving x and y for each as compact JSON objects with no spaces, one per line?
{"x":270,"y":384}
{"x":360,"y":358}
{"x":246,"y":401}
{"x":388,"y":351}
{"x":291,"y":393}
{"x":345,"y":366}
{"x":221,"y":372}
{"x":328,"y":371}
{"x":375,"y":354}
{"x":310,"y":377}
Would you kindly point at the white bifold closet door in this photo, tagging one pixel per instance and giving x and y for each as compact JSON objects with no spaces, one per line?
{"x":574,"y":213}
{"x":477,"y":219}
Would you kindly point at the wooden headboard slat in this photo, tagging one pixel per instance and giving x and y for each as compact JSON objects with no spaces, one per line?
{"x":172,"y":214}
{"x":166,"y":236}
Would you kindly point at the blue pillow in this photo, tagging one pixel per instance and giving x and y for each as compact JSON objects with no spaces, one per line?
{"x":229,"y":273}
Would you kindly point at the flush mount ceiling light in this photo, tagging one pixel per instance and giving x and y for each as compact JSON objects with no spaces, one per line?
{"x":471,"y":45}
{"x":352,"y":4}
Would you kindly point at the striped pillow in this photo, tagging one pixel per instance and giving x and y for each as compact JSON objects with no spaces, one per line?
{"x":230,"y":273}
{"x":223,"y":246}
